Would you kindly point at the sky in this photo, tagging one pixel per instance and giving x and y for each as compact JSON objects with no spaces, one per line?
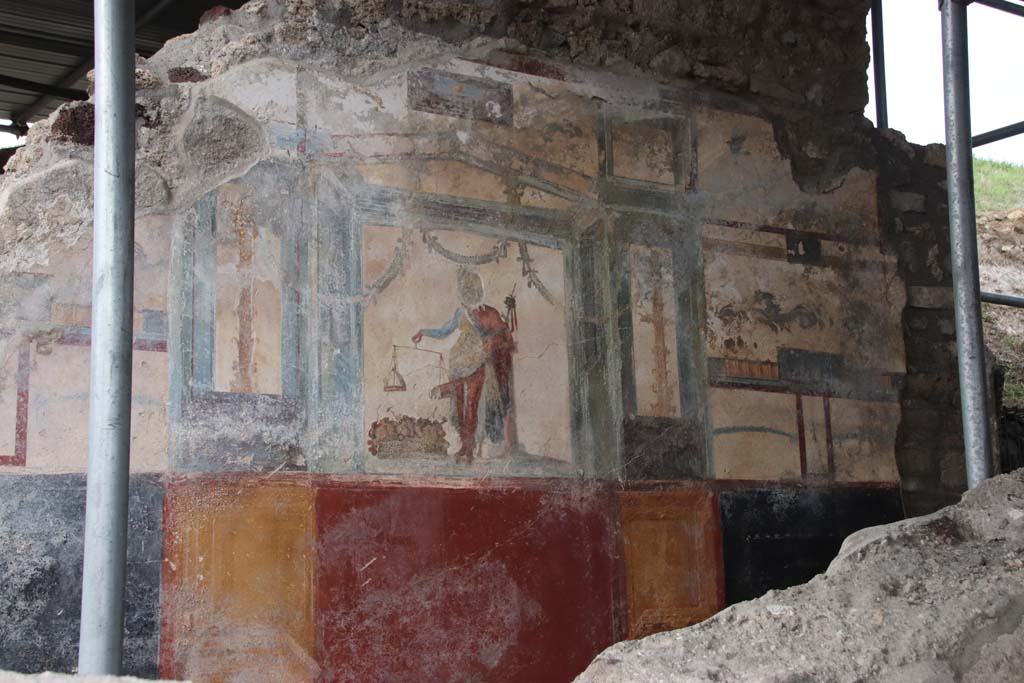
{"x":913,"y":65}
{"x":6,"y":139}
{"x":913,"y":74}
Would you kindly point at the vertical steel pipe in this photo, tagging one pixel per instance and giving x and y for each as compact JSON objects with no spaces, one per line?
{"x":110,"y":381}
{"x":878,"y":62}
{"x":964,"y":244}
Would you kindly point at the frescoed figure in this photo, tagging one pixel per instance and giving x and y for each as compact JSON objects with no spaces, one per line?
{"x":480,"y":370}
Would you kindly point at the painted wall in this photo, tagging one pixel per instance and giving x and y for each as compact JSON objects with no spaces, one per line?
{"x":676,"y":296}
{"x":462,"y":364}
{"x":40,"y":572}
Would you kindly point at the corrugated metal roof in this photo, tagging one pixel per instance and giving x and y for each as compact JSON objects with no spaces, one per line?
{"x":49,"y":42}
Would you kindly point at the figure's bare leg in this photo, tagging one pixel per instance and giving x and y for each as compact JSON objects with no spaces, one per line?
{"x":474,"y":385}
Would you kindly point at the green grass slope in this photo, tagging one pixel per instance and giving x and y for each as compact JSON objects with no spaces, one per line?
{"x":999,"y":196}
{"x":998,"y":185}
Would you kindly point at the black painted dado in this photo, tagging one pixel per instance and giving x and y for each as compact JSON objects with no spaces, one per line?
{"x":777,"y":538}
{"x":41,"y":529}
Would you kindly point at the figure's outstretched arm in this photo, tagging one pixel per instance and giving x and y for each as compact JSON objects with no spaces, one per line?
{"x":440,"y":332}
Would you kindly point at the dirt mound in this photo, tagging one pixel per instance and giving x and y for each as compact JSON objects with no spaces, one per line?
{"x":932,"y":599}
{"x":1001,"y":258}
{"x":1001,"y":250}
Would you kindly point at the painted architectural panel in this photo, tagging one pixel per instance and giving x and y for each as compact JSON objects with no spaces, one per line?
{"x":818,"y":437}
{"x":149,"y":410}
{"x":864,"y":434}
{"x":553,"y":123}
{"x":757,"y":303}
{"x":237,"y":599}
{"x":672,"y":546}
{"x":58,"y":417}
{"x":444,"y":584}
{"x":44,"y":366}
{"x":247,"y":328}
{"x":9,"y":361}
{"x":654,"y":316}
{"x":57,"y":430}
{"x":808,"y":322}
{"x":643,"y":152}
{"x":152,"y":270}
{"x":755,"y":435}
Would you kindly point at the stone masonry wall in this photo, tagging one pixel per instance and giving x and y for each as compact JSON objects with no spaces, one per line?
{"x":914,"y":209}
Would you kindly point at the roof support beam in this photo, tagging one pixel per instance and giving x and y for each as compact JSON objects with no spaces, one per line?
{"x":13,"y":129}
{"x":44,"y":44}
{"x":47,"y":90}
{"x":75,"y":73}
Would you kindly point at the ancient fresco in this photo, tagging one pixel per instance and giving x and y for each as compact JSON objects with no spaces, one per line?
{"x":247,"y":331}
{"x":802,"y":316}
{"x":670,"y":543}
{"x":401,"y":335}
{"x":468,"y":269}
{"x":653,"y":309}
{"x":465,"y":351}
{"x":44,"y":359}
{"x":238,"y":582}
{"x":463,"y":268}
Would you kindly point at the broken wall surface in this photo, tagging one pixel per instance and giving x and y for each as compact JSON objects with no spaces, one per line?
{"x":471,"y":340}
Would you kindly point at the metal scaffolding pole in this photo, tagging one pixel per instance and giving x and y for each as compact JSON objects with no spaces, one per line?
{"x":964,"y":244}
{"x":1003,"y":5}
{"x":878,"y":61}
{"x":110,"y":382}
{"x":998,"y":134}
{"x":1003,"y":299}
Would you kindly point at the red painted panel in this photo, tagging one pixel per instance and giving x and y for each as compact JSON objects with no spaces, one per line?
{"x":516,"y":583}
{"x":21,"y":408}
